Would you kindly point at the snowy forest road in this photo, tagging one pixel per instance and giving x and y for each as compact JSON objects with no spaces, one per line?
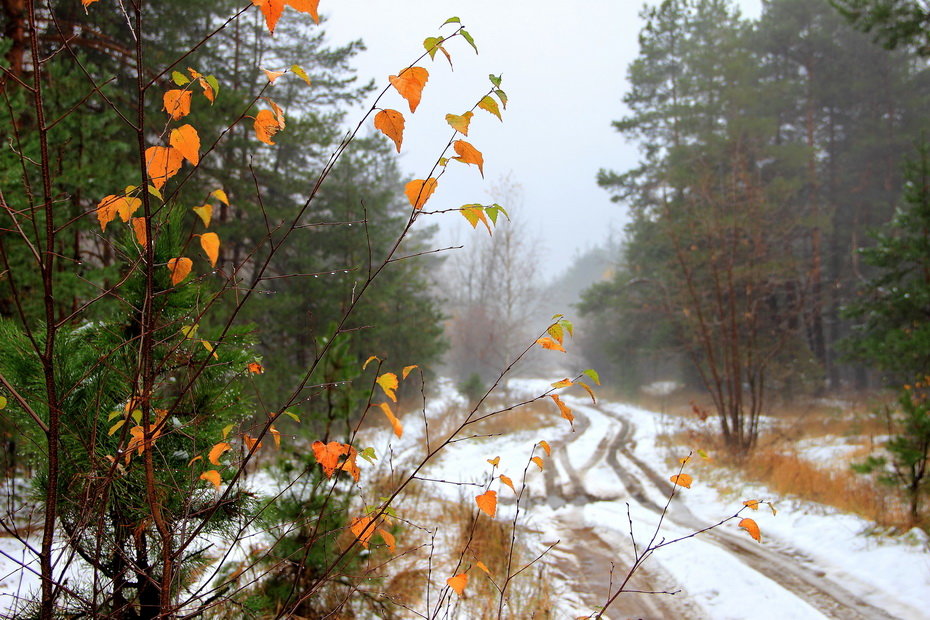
{"x":607,"y":551}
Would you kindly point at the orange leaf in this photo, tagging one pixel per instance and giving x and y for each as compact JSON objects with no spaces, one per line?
{"x":587,"y":388}
{"x":395,"y":423}
{"x":752,"y":504}
{"x":272,"y":75}
{"x":389,"y":539}
{"x":506,"y":480}
{"x":388,"y":383}
{"x":138,"y":227}
{"x":467,"y":154}
{"x":483,"y":567}
{"x":255,"y":368}
{"x":369,"y":360}
{"x":391,"y":124}
{"x":418,"y":191}
{"x":409,"y":83}
{"x":538,"y":461}
{"x":545,"y":446}
{"x":328,"y":455}
{"x":179,"y":268}
{"x":495,"y":461}
{"x":177,"y":103}
{"x":276,"y":435}
{"x":217,"y":451}
{"x":460,"y":123}
{"x":407,"y":370}
{"x":210,"y":242}
{"x":564,"y":409}
{"x":212,"y":476}
{"x":272,"y":10}
{"x":361,"y":527}
{"x":205,"y":213}
{"x":487,"y":502}
{"x":549,"y":343}
{"x":187,"y":142}
{"x":266,"y":125}
{"x":250,"y":442}
{"x":752,"y":527}
{"x":564,"y":383}
{"x":682,"y":480}
{"x":111,"y":206}
{"x":162,"y":163}
{"x":458,"y":583}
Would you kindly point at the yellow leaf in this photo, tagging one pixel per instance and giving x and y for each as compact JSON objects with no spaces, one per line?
{"x":545,"y":446}
{"x":210,"y":242}
{"x":752,"y":504}
{"x":506,"y":480}
{"x":458,"y":583}
{"x":179,"y":268}
{"x":564,"y":410}
{"x":460,"y":123}
{"x":276,"y":435}
{"x":217,"y":451}
{"x":138,"y":227}
{"x":186,"y":140}
{"x":407,"y":370}
{"x":564,"y":383}
{"x":177,"y":103}
{"x":483,"y":567}
{"x":209,"y":347}
{"x":682,"y":480}
{"x":391,"y":124}
{"x":213,"y":477}
{"x":395,"y":423}
{"x":538,"y":461}
{"x":369,"y":360}
{"x":162,"y":163}
{"x":221,"y":196}
{"x":495,"y":461}
{"x":116,"y":427}
{"x":752,"y":527}
{"x":549,"y":343}
{"x":388,"y":383}
{"x":226,"y":430}
{"x":299,"y":72}
{"x":474,"y":213}
{"x":467,"y":154}
{"x":490,"y":105}
{"x":487,"y":502}
{"x":205,"y":213}
{"x":418,"y":191}
{"x":409,"y":83}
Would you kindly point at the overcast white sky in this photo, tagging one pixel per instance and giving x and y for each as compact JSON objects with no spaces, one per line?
{"x":564,"y":70}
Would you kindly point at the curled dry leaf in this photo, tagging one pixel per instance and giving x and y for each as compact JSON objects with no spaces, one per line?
{"x":682,"y":480}
{"x":506,"y":480}
{"x":467,"y":154}
{"x":179,"y":268}
{"x":418,"y":191}
{"x":545,"y":446}
{"x":212,"y":477}
{"x":458,"y":583}
{"x":487,"y":502}
{"x":177,"y":103}
{"x":391,"y":124}
{"x":395,"y":423}
{"x":564,"y":410}
{"x":409,"y":83}
{"x":752,"y":527}
{"x":217,"y":451}
{"x":483,"y":567}
{"x":388,"y":383}
{"x":538,"y":461}
{"x":407,"y":370}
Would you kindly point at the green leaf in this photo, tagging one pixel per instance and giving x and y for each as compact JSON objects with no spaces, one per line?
{"x":451,"y":20}
{"x":502,"y":96}
{"x":114,"y":414}
{"x":555,"y":330}
{"x":226,"y":430}
{"x":179,"y":78}
{"x":116,"y":427}
{"x":594,"y":376}
{"x":154,"y":192}
{"x":490,"y":105}
{"x":432,"y":46}
{"x":299,"y":72}
{"x":469,"y":38}
{"x":293,"y":416}
{"x":495,"y":79}
{"x":368,"y":454}
{"x":569,"y":327}
{"x":3,"y":402}
{"x":213,"y":84}
{"x":137,"y":416}
{"x":494,"y":210}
